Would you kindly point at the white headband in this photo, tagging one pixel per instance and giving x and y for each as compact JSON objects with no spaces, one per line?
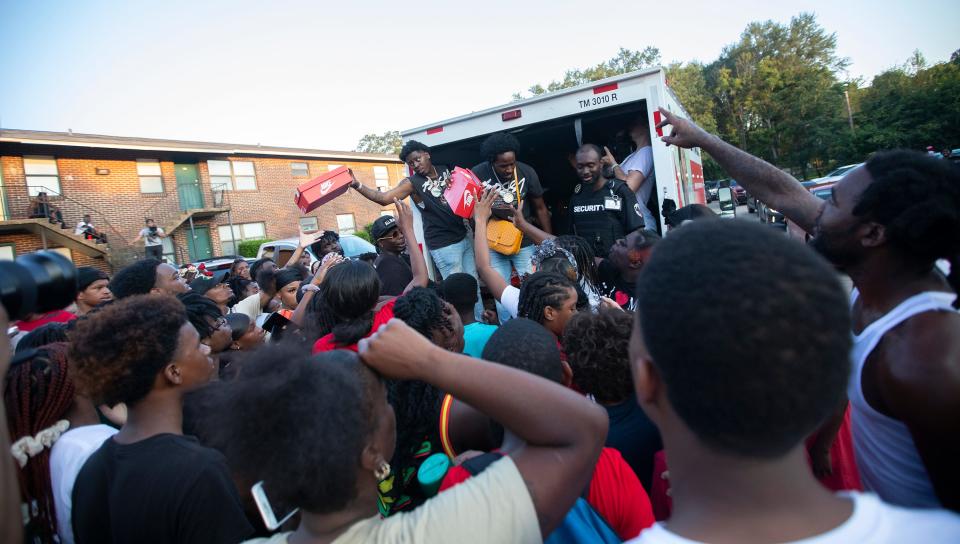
{"x":30,"y":446}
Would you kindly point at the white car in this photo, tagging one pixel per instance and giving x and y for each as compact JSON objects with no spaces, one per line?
{"x":281,"y":250}
{"x":832,"y":177}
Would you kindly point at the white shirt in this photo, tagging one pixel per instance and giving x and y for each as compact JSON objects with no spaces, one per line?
{"x":81,"y":227}
{"x":872,"y":521}
{"x":67,"y":457}
{"x":641,"y":161}
{"x":151,"y":239}
{"x":510,"y":300}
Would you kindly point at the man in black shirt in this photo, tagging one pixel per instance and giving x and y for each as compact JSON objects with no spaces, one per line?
{"x":392,"y":264}
{"x":445,"y":233}
{"x":149,"y":482}
{"x":512,"y":180}
{"x":604,"y":210}
{"x":618,"y":273}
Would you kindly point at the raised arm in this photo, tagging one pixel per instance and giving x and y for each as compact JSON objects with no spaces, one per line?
{"x":481,"y":249}
{"x":306,"y":238}
{"x":766,"y":182}
{"x":563,"y":431}
{"x":530,"y":230}
{"x":634,"y":178}
{"x":383,"y":198}
{"x":417,"y":263}
{"x":310,"y":290}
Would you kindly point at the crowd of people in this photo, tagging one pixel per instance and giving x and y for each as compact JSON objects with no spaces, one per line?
{"x":609,"y":391}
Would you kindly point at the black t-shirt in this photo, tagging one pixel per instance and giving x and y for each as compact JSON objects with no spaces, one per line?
{"x":611,"y":282}
{"x":441,"y":227}
{"x":635,"y":437}
{"x":395,"y":273}
{"x":529,"y":187}
{"x":166,"y":488}
{"x":603,"y":217}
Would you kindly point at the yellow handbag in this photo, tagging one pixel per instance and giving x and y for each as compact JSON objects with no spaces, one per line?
{"x":502,"y":236}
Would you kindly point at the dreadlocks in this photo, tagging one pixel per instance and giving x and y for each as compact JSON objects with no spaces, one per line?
{"x":540,"y":290}
{"x":38,"y":393}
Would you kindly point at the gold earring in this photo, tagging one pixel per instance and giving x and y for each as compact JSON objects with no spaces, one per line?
{"x":382,"y":472}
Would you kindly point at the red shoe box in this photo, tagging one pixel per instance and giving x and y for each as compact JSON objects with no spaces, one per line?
{"x":322,"y":189}
{"x":464,"y":190}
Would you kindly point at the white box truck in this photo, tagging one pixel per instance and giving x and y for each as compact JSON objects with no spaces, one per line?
{"x":550,"y":127}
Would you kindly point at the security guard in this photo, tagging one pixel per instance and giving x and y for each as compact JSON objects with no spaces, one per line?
{"x":604,"y":210}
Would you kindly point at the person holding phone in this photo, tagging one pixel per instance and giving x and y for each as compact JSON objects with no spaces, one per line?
{"x":152,"y":240}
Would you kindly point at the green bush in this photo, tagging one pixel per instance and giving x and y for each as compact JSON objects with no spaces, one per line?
{"x":249,"y":248}
{"x":365,"y":233}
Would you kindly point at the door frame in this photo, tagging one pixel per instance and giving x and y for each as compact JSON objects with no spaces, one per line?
{"x":196,"y":167}
{"x":191,"y":247}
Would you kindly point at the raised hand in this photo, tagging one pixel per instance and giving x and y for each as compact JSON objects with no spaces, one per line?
{"x":483,"y":208}
{"x":325,"y":266}
{"x":608,"y":158}
{"x":396,"y":351}
{"x":307,"y":238}
{"x":683,"y":133}
{"x":404,"y":216}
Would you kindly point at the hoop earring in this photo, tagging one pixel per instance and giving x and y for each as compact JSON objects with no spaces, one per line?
{"x":382,"y":472}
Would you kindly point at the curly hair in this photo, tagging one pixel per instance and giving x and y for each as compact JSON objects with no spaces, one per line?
{"x":583,"y":254}
{"x":524,"y":344}
{"x":327,"y":237}
{"x":460,"y":289}
{"x":498,"y":143}
{"x":135,"y":279}
{"x":43,"y":335}
{"x":239,"y":287}
{"x":257,"y":265}
{"x":597,"y":350}
{"x":118,"y":352}
{"x":540,"y":290}
{"x":265,"y":423}
{"x":38,"y":392}
{"x":917,"y":200}
{"x":410,"y":147}
{"x":199,"y":309}
{"x":422,"y":309}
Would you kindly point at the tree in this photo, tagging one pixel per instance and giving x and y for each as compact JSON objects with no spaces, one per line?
{"x":626,"y":60}
{"x":388,"y":143}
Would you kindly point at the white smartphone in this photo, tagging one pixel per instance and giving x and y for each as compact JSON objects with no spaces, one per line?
{"x":266,"y":510}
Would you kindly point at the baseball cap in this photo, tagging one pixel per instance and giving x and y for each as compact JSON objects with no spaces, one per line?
{"x":202,"y":284}
{"x":382,"y":226}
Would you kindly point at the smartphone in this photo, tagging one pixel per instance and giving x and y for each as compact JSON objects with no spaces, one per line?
{"x":266,"y":510}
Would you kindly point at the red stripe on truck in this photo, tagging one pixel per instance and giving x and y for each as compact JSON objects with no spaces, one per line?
{"x":605,"y":88}
{"x":434,"y":130}
{"x":657,"y":117}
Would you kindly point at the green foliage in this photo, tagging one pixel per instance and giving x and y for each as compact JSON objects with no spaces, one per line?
{"x":249,"y":248}
{"x":626,"y":60}
{"x":388,"y":143}
{"x":366,"y":233}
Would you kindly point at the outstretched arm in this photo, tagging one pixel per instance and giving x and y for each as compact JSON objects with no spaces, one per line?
{"x":481,"y":249}
{"x":769,"y":184}
{"x":417,"y":263}
{"x":383,"y":198}
{"x":529,"y":229}
{"x":563,"y":431}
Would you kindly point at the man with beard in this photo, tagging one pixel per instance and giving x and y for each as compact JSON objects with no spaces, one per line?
{"x":604,"y":210}
{"x":885,"y":225}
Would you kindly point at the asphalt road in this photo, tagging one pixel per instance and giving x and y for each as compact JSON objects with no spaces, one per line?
{"x":742,"y":212}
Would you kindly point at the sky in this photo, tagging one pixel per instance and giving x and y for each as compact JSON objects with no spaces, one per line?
{"x":319,"y":74}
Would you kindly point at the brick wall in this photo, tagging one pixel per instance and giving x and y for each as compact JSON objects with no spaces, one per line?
{"x":118,"y":208}
{"x":28,"y":242}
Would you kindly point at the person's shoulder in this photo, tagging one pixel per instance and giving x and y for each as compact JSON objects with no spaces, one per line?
{"x":919,"y":352}
{"x":898,"y":524}
{"x":482,"y":170}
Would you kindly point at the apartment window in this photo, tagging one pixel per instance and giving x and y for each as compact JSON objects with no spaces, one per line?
{"x":42,"y":175}
{"x":8,"y":252}
{"x":150,"y":179}
{"x":387,"y":213}
{"x":309,"y":224}
{"x":332,"y":167}
{"x":169,"y":251}
{"x":381,"y":177}
{"x":346,"y":223}
{"x":299,"y":169}
{"x":242,"y":231}
{"x":232,"y":175}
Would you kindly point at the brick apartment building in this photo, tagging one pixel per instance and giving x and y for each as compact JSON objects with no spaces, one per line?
{"x":195,"y":191}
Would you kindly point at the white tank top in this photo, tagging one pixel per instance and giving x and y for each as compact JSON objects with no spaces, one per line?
{"x":887,"y":458}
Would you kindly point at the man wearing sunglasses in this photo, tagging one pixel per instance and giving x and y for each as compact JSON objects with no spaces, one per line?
{"x":393,"y":263}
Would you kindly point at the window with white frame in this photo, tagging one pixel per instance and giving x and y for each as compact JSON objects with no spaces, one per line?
{"x":332,"y":167}
{"x":241,"y":231}
{"x":169,"y":251}
{"x":387,"y":213}
{"x":232,"y":175}
{"x":8,"y":252}
{"x":381,"y":177}
{"x":309,"y":224}
{"x":150,"y":177}
{"x":42,"y":175}
{"x":299,"y":169}
{"x":346,"y":224}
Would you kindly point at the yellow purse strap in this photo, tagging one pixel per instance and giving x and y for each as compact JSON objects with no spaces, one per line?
{"x":516,"y":184}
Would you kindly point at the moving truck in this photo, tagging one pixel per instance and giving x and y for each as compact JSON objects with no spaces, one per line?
{"x":550,"y":127}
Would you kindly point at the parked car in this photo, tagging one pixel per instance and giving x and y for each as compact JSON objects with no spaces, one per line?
{"x":753,"y":205}
{"x":215,"y":264}
{"x":832,"y":177}
{"x":770,"y":216}
{"x":281,"y":250}
{"x":711,"y":187}
{"x":739,"y":192}
{"x":822,"y":192}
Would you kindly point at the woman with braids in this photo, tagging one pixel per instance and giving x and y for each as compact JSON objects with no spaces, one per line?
{"x":149,"y":482}
{"x":549,"y":299}
{"x":347,"y":305}
{"x":53,"y":431}
{"x":330,"y":467}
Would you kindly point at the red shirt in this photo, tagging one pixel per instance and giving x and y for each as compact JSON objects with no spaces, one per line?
{"x":383,"y":315}
{"x":56,"y":316}
{"x":615,"y":493}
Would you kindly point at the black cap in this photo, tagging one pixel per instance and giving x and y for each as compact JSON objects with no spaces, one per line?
{"x":382,"y":226}
{"x":202,"y":284}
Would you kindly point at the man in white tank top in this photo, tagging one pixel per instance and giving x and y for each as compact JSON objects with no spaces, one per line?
{"x":885,"y":226}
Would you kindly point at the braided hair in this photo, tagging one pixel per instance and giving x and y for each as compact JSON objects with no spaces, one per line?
{"x":422,"y":309}
{"x":584,"y":255}
{"x":39,"y":392}
{"x":540,"y":290}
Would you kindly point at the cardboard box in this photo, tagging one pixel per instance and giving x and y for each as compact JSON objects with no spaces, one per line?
{"x":464,"y":190}
{"x":322,"y":189}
